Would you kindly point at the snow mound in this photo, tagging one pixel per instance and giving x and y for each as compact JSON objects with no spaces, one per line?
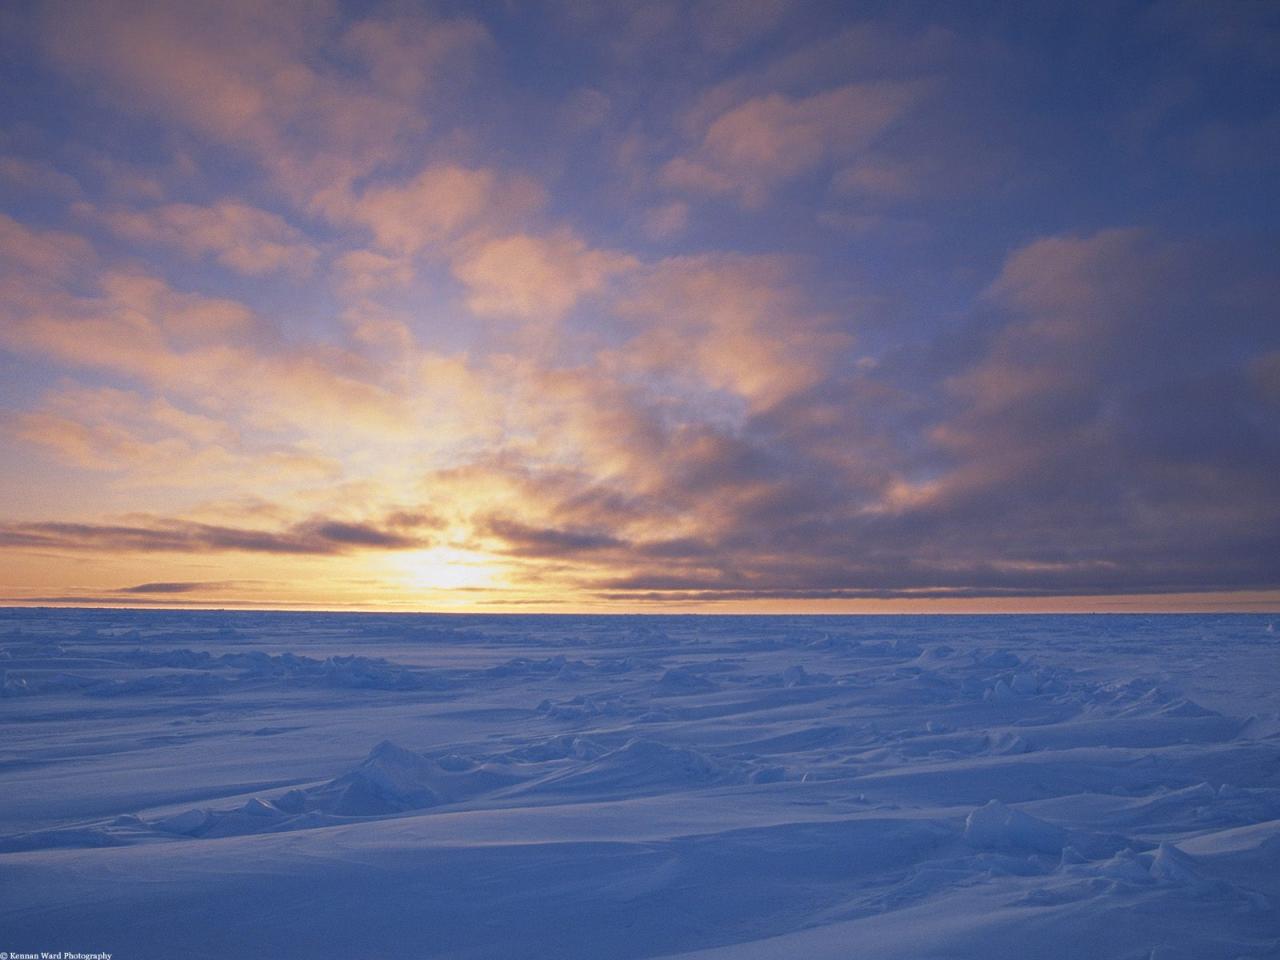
{"x":793,"y":676}
{"x":364,"y":673}
{"x":1171,"y":865}
{"x":999,"y":660}
{"x":68,"y":838}
{"x":559,"y":665}
{"x":1007,"y":744}
{"x":1261,"y":727}
{"x":680,"y":681}
{"x":997,"y":827}
{"x":899,"y":648}
{"x":187,"y":823}
{"x":208,"y":672}
{"x":556,"y":748}
{"x":1025,"y":684}
{"x":619,"y":665}
{"x":393,"y":780}
{"x":1124,"y":866}
{"x":645,"y":765}
{"x":258,"y":808}
{"x":936,"y":654}
{"x":390,"y":780}
{"x":579,"y":707}
{"x":1139,"y":697}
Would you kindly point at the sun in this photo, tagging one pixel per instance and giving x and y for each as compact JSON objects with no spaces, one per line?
{"x":448,"y":568}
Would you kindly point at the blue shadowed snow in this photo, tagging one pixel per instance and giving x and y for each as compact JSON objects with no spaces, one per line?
{"x":177,"y":784}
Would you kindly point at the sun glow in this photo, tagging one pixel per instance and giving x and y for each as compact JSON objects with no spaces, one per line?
{"x":448,"y":568}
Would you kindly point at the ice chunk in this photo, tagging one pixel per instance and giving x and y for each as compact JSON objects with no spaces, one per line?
{"x":188,"y":822}
{"x":1000,"y":693}
{"x":679,"y":681}
{"x":391,"y":779}
{"x":997,"y":827}
{"x":1124,"y":866}
{"x":1171,"y":865}
{"x":643,"y":765}
{"x":259,"y":808}
{"x":795,"y":676}
{"x":1025,"y":684}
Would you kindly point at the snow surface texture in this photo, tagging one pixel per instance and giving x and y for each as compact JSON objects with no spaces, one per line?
{"x":301,"y":785}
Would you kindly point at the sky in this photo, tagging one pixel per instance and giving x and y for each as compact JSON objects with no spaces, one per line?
{"x":735,"y":305}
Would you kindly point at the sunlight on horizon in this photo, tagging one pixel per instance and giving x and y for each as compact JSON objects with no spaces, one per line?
{"x":446,"y":568}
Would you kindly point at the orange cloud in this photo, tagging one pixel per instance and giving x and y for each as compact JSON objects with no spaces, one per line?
{"x":667,"y":220}
{"x":406,"y":55}
{"x":276,"y":82}
{"x":736,"y":324}
{"x":151,"y":441}
{"x":317,"y":535}
{"x":749,"y":148}
{"x":879,"y":178}
{"x":365,"y":272}
{"x":212,"y":350}
{"x":437,"y":205}
{"x":40,"y":254}
{"x":535,"y":277}
{"x":37,"y":177}
{"x":238,"y":236}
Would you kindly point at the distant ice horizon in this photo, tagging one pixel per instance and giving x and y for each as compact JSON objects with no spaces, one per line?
{"x":1262,"y":606}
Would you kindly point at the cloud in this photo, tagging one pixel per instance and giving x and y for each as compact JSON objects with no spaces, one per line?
{"x":37,"y":176}
{"x":430,"y":328}
{"x":1104,"y":420}
{"x":137,"y":325}
{"x":1068,"y":440}
{"x":1248,"y":32}
{"x":184,"y":586}
{"x":873,"y":49}
{"x":736,"y":324}
{"x":240,"y":237}
{"x":667,"y":220}
{"x":437,"y":206}
{"x":724,"y":26}
{"x":151,"y":441}
{"x":667,"y":35}
{"x":213,"y":351}
{"x":584,"y":110}
{"x":1265,"y":373}
{"x":366,"y":272}
{"x":523,"y":540}
{"x":879,"y":179}
{"x":315,"y":536}
{"x":750,"y":148}
{"x":533,"y":277}
{"x":278,"y":83}
{"x":42,"y":255}
{"x":406,"y":55}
